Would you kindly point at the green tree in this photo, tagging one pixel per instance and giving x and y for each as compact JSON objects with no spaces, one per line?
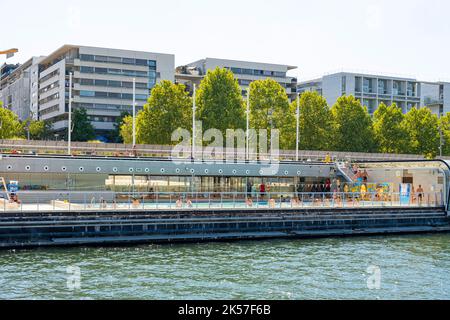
{"x":219,"y":101}
{"x":444,"y":125}
{"x":169,"y":108}
{"x":422,"y":128}
{"x":389,"y":132}
{"x":126,"y":130}
{"x":316,"y":124}
{"x":269,"y":108}
{"x":83,"y":130}
{"x":115,"y":135}
{"x":39,"y":130}
{"x":10,"y":126}
{"x":352,"y":126}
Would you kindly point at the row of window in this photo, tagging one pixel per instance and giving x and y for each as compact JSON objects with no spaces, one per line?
{"x":49,"y":87}
{"x":119,"y":60}
{"x":104,"y":106}
{"x":119,"y":72}
{"x":49,"y":98}
{"x":253,"y":72}
{"x":49,"y":110}
{"x":50,"y":75}
{"x":111,"y":95}
{"x":111,"y":83}
{"x":101,"y":119}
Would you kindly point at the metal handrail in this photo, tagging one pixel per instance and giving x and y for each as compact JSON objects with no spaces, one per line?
{"x":70,"y":201}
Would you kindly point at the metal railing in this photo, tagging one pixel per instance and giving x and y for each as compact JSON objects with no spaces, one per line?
{"x":156,"y":202}
{"x":165,"y":152}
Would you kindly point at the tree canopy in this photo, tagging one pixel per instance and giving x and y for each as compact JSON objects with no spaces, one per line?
{"x":269,"y":108}
{"x":316,"y":123}
{"x":422,"y":128}
{"x":219,"y":101}
{"x":389,"y":132}
{"x":352,"y":124}
{"x":83,"y":130}
{"x":10,"y":126}
{"x":169,"y":108}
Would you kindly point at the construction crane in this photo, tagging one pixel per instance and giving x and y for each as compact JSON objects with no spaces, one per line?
{"x":9,"y":53}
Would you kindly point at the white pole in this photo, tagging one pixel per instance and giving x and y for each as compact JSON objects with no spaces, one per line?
{"x":194,"y":107}
{"x":298,"y":127}
{"x":69,"y":128}
{"x":247,"y":146}
{"x":134,"y":112}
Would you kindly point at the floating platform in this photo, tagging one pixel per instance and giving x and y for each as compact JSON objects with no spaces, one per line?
{"x":31,"y":230}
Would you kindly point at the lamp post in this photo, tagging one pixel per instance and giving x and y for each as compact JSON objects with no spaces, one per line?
{"x":134,"y":113}
{"x":69,"y":127}
{"x":194,"y":134}
{"x":298,"y":128}
{"x":247,"y":145}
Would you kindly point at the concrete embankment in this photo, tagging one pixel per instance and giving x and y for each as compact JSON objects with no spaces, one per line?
{"x":20,"y":230}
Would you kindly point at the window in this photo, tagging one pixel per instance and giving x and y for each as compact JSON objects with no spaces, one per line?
{"x":101,"y":59}
{"x":141,"y":85}
{"x":102,"y":83}
{"x":112,"y":83}
{"x":151,"y":63}
{"x":141,"y":62}
{"x":128,"y":61}
{"x":101,"y":70}
{"x":100,"y":94}
{"x":87,"y":82}
{"x":344,"y":84}
{"x":87,"y":57}
{"x":86,"y":69}
{"x":114,"y":95}
{"x":127,"y":84}
{"x":141,"y":97}
{"x":127,"y":96}
{"x":114,"y":60}
{"x":85,"y":93}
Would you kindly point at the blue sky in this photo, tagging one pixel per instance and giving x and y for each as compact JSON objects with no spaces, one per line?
{"x":408,"y":37}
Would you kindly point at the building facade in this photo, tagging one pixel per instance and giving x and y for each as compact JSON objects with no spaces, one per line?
{"x":372,"y":90}
{"x":102,"y":83}
{"x":19,"y":88}
{"x":245,"y":72}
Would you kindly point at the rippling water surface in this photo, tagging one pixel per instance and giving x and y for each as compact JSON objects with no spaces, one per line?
{"x":412,"y":267}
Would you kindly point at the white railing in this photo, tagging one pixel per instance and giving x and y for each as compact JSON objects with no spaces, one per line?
{"x":64,"y":201}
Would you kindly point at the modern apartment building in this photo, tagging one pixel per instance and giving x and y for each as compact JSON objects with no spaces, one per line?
{"x":102,"y":83}
{"x":245,"y":71}
{"x":19,"y":88}
{"x":372,"y":90}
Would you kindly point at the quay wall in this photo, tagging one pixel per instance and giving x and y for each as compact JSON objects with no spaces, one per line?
{"x":27,"y":230}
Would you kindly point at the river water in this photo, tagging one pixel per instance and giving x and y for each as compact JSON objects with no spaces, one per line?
{"x":406,"y":267}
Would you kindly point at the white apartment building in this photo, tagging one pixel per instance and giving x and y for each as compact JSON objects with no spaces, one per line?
{"x":19,"y":88}
{"x":373,"y":89}
{"x":245,"y":71}
{"x":102,"y":83}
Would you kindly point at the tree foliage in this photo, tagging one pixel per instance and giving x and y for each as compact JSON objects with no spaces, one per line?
{"x":115,"y":135}
{"x":219,"y":101}
{"x":316,"y":123}
{"x":352,"y":126}
{"x":126,"y":130}
{"x":389,"y":132}
{"x":422,"y":128}
{"x":10,"y":126}
{"x":169,"y":108}
{"x":444,"y":125}
{"x":83,"y":130}
{"x":269,"y":108}
{"x":39,"y":129}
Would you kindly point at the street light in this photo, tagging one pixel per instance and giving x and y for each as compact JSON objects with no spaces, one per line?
{"x":134,"y":113}
{"x":298,"y":128}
